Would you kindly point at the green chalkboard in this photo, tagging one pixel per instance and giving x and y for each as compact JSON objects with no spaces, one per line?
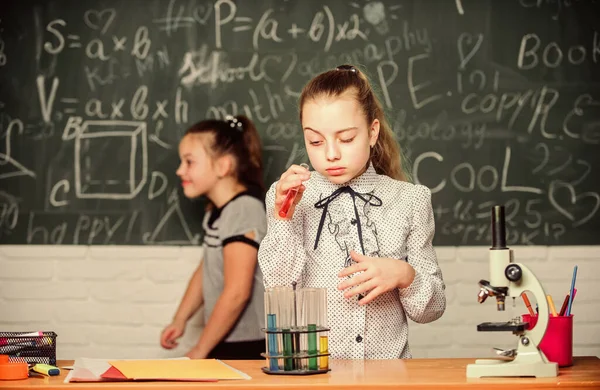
{"x":493,"y":102}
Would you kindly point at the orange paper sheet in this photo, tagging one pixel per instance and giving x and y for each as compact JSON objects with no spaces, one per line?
{"x":193,"y":369}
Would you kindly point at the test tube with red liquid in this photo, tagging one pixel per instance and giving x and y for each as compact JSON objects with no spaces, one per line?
{"x":289,"y":198}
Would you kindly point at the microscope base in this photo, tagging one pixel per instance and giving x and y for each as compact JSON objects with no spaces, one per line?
{"x":528,"y":362}
{"x":527,"y":365}
{"x":497,"y":368}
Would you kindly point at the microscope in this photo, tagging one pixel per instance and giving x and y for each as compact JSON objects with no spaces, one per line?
{"x":508,"y":279}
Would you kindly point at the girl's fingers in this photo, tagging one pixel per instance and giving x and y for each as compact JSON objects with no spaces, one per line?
{"x":301,"y":189}
{"x":354,"y":280}
{"x":295,"y":170}
{"x":362,"y":288}
{"x":292,"y":182}
{"x":280,"y":198}
{"x":291,"y":179}
{"x":289,"y":182}
{"x":356,"y":267}
{"x":377,"y":291}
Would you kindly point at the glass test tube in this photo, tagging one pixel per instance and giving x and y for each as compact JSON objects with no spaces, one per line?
{"x":286,"y":310}
{"x":323,"y":336}
{"x":290,"y":197}
{"x":301,"y":363}
{"x":297,"y":362}
{"x":312,"y":317}
{"x":271,"y":321}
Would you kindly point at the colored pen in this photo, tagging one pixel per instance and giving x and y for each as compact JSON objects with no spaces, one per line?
{"x":568,"y":312}
{"x":551,"y":304}
{"x":5,"y":340}
{"x":289,"y":198}
{"x":563,"y":308}
{"x":46,"y":369}
{"x":33,"y":352}
{"x":32,"y":334}
{"x":18,"y":347}
{"x":40,"y":341}
{"x":527,"y":303}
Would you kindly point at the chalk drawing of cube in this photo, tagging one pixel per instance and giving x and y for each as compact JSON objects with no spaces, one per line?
{"x":111,"y":159}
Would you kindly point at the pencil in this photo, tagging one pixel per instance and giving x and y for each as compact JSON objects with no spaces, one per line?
{"x":551,"y":304}
{"x":563,"y":308}
{"x":528,"y":304}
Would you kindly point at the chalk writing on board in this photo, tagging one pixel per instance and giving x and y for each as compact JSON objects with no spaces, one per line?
{"x":9,"y":212}
{"x":480,"y":95}
{"x":534,"y":52}
{"x":85,"y":230}
{"x":126,"y":181}
{"x":9,"y":167}
{"x":488,"y":112}
{"x":459,"y":7}
{"x":323,"y":28}
{"x":158,"y":184}
{"x":178,"y":16}
{"x":556,"y":185}
{"x":375,"y":14}
{"x":472,"y":222}
{"x":173,"y":212}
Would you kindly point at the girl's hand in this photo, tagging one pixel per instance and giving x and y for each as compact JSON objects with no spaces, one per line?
{"x":379,"y":275}
{"x":171,"y":333}
{"x":196,"y":353}
{"x":290,"y":180}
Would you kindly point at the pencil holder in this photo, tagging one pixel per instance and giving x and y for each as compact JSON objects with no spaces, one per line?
{"x":29,"y":347}
{"x":557,"y":343}
{"x":297,"y":336}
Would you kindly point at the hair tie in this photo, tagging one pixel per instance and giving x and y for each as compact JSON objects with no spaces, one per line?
{"x":234,"y":123}
{"x":347,"y":67}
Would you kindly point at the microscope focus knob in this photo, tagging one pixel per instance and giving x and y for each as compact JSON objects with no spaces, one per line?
{"x":513,"y":272}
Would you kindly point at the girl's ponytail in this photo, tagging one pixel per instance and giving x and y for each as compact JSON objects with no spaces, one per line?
{"x":250,"y":170}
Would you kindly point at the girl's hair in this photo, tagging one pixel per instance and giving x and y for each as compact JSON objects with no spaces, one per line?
{"x":238,"y":137}
{"x":385,"y":155}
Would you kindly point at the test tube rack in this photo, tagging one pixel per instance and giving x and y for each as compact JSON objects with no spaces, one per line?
{"x":296,"y":333}
{"x":297,"y":362}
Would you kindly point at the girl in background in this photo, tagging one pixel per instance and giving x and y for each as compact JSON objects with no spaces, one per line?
{"x":222,"y":160}
{"x":356,"y":226}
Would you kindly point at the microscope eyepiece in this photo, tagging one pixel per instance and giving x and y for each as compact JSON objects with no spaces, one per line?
{"x":498,"y":228}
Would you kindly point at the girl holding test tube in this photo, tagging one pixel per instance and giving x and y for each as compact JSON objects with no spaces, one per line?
{"x":356,"y":226}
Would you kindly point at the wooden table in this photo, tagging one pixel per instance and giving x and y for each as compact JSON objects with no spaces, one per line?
{"x":354,"y":374}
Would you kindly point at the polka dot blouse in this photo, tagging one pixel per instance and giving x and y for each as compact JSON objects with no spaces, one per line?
{"x":374,"y":215}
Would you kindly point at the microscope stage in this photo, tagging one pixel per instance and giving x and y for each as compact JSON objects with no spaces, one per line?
{"x":510,"y":326}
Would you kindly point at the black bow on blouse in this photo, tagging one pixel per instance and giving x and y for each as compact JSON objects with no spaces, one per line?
{"x":324,"y":204}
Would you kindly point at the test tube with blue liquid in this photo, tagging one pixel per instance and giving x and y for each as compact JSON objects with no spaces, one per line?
{"x":271,"y":309}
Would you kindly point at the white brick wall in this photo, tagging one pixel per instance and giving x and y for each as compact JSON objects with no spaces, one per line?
{"x":113,"y":301}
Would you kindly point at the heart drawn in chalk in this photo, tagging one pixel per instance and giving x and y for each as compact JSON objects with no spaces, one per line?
{"x":202,"y":13}
{"x":99,"y":20}
{"x":557,"y":185}
{"x":466,"y":43}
